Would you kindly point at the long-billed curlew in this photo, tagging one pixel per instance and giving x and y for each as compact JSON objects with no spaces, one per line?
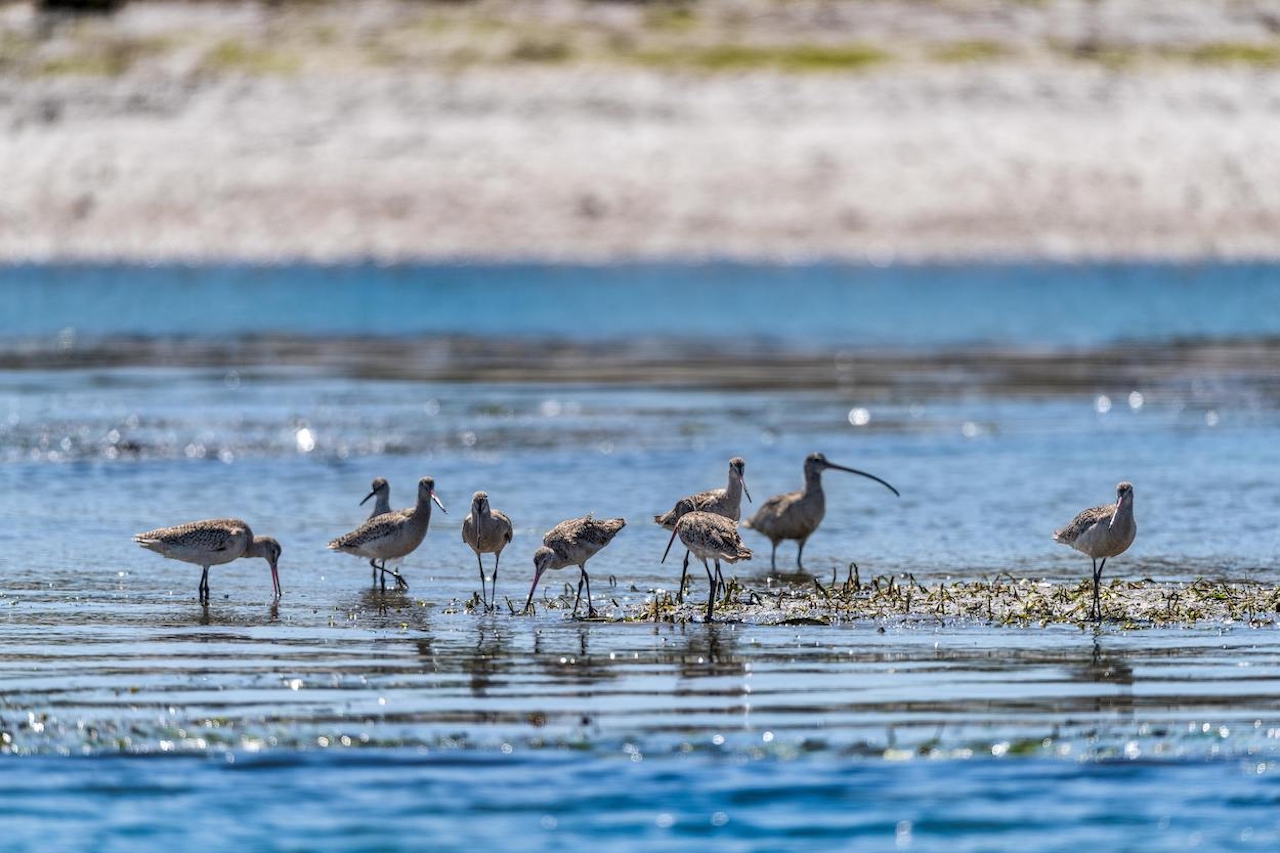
{"x":713,"y":536}
{"x":212,"y":543}
{"x":381,"y":493}
{"x":726,"y":502}
{"x":487,"y":531}
{"x":1102,"y":531}
{"x":392,"y":535}
{"x":795,"y":515}
{"x":572,"y":543}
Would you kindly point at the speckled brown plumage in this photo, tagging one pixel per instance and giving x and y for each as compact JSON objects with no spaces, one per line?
{"x":570,"y":543}
{"x":392,"y":535}
{"x":486,"y":531}
{"x":1102,"y":532}
{"x":710,"y":536}
{"x":212,"y":542}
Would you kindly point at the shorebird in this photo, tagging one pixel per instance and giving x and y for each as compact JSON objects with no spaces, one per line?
{"x":726,"y":502}
{"x":392,"y":535}
{"x":1102,"y":531}
{"x":381,"y":492}
{"x":572,"y":543}
{"x":795,"y":515}
{"x":712,"y":536}
{"x":487,"y":531}
{"x":211,"y":543}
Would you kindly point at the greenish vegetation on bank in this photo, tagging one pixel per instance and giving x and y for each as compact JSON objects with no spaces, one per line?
{"x":688,"y":36}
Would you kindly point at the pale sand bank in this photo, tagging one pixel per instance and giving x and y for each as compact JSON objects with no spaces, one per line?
{"x":1022,"y":155}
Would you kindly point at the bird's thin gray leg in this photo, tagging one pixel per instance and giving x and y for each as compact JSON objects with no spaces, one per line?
{"x":711,"y":597}
{"x":374,"y":564}
{"x":484,"y":598}
{"x":720,"y":578}
{"x":401,"y":583}
{"x":684,"y":576}
{"x":773,"y":556}
{"x":1097,"y":581}
{"x":578,"y":599}
{"x":204,"y":586}
{"x":800,"y":555}
{"x":493,"y":584}
{"x":591,"y":610}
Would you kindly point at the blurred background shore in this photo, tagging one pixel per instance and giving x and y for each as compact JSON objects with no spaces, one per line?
{"x":756,"y":130}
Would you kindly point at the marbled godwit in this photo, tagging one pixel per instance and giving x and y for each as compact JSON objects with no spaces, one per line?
{"x":487,"y":531}
{"x":795,"y":515}
{"x":572,"y":543}
{"x":392,"y":535}
{"x":381,"y":492}
{"x":726,"y":502}
{"x":1088,"y":534}
{"x":212,"y":543}
{"x":707,"y":534}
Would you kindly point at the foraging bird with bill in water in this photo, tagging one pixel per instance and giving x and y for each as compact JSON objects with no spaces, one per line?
{"x":1102,"y":531}
{"x":572,"y":543}
{"x":486,"y":531}
{"x":708,"y":535}
{"x":796,"y":515}
{"x":392,"y":535}
{"x":726,"y":502}
{"x":212,"y":542}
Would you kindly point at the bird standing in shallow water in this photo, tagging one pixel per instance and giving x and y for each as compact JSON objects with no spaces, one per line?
{"x":1102,"y":531}
{"x":392,"y":535}
{"x":795,"y":515}
{"x":211,"y":543}
{"x":706,"y":534}
{"x":726,"y":502}
{"x":487,"y":531}
{"x":381,"y":493}
{"x":572,"y":543}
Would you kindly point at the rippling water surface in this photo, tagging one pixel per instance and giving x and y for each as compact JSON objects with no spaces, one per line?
{"x":348,"y":719}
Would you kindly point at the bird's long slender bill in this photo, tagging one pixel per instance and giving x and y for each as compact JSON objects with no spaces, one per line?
{"x":537,"y":576}
{"x":743,"y":481}
{"x":1116,"y":514}
{"x":864,"y":474}
{"x":437,"y":500}
{"x":275,"y":579}
{"x":670,"y":542}
{"x":366,"y":497}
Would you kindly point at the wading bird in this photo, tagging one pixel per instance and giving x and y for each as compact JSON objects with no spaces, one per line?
{"x":212,"y":543}
{"x":381,"y":492}
{"x":708,"y":535}
{"x":726,"y":502}
{"x":795,"y":515}
{"x":487,"y":531}
{"x":572,"y":543}
{"x":392,"y":535}
{"x":1102,"y":531}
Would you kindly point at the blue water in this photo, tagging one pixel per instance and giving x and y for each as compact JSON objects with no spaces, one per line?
{"x":345,"y":719}
{"x":795,"y":306}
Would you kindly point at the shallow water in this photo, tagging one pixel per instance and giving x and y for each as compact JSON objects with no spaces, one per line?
{"x":343,"y":718}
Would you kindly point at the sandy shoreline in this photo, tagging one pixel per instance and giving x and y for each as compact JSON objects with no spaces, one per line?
{"x":1014,"y":158}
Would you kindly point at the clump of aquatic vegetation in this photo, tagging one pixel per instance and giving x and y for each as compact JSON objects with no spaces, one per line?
{"x":1002,"y":600}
